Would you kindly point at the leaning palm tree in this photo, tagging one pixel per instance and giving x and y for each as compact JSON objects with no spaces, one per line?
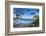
{"x":18,"y":12}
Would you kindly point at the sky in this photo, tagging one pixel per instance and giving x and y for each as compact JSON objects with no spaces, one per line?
{"x":26,"y":13}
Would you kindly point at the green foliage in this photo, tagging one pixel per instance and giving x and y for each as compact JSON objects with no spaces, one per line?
{"x":36,"y":21}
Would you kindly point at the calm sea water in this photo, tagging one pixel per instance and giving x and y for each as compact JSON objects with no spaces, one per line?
{"x":23,"y":21}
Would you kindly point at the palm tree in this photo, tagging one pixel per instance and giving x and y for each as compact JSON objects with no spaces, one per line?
{"x":18,"y":12}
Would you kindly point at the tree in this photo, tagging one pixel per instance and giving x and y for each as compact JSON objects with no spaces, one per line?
{"x":36,"y":18}
{"x":18,"y":12}
{"x":36,"y":21}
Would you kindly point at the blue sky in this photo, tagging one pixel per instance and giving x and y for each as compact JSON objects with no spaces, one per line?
{"x":26,"y":13}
